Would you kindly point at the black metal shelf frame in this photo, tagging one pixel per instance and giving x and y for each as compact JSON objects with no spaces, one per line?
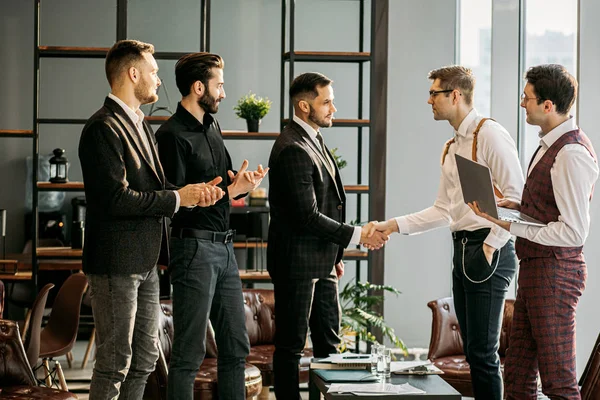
{"x":328,"y":56}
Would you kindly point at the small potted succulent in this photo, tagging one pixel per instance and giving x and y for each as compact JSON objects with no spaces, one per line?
{"x":252,"y":108}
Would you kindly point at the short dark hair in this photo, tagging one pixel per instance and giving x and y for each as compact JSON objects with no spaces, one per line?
{"x":195,"y":67}
{"x":456,"y":77}
{"x":306,"y":85}
{"x":123,"y":55}
{"x":553,"y":82}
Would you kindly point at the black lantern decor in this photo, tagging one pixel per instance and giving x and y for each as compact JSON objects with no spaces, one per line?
{"x":58,"y":167}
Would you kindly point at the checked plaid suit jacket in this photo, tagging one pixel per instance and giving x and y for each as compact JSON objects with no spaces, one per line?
{"x":307,"y":233}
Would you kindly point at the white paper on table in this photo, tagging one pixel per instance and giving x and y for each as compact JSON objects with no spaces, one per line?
{"x":406,"y":365}
{"x":373,"y":388}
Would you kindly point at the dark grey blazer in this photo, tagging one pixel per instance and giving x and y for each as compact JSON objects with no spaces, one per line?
{"x":125,"y":227}
{"x":307,"y":233}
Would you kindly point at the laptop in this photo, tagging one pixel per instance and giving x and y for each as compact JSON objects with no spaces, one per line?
{"x":476,"y":184}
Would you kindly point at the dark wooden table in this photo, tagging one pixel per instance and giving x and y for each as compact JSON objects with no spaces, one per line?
{"x":434,"y":386}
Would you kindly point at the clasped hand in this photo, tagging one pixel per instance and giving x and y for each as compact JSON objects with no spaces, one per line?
{"x":245,"y":181}
{"x":371,"y":238}
{"x":379,"y":230}
{"x":201,"y":194}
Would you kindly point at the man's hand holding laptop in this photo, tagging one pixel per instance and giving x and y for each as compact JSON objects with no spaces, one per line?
{"x":513,"y":205}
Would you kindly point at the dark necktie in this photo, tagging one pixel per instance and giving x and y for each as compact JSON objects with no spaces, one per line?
{"x":328,"y":162}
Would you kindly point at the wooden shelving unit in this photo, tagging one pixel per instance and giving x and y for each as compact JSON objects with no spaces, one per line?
{"x":16,"y":133}
{"x":60,"y":187}
{"x":240,"y":135}
{"x":328,"y":56}
{"x":52,"y":258}
{"x":78,"y":187}
{"x":73,"y":52}
{"x":95,"y":52}
{"x":19,"y":276}
{"x":343,"y":123}
{"x":356,"y":188}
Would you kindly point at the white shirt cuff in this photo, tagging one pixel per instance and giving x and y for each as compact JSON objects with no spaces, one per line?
{"x":495,"y":241}
{"x":518,"y":230}
{"x":402,"y":225}
{"x":356,"y":236}
{"x":177,"y":201}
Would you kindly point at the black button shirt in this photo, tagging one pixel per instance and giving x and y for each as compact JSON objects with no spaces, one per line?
{"x":193,"y":152}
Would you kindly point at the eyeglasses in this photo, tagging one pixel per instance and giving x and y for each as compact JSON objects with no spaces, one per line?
{"x":525,"y":98}
{"x":433,"y":93}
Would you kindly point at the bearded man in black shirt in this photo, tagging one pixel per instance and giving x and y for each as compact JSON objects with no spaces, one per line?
{"x":204,"y":272}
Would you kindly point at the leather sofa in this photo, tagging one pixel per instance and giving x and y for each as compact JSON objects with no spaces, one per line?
{"x":446,"y":345}
{"x":17,"y":380}
{"x":205,"y":385}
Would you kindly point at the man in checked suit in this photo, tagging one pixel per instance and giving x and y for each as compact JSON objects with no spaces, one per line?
{"x":128,"y":199}
{"x":552,"y":268}
{"x":307,"y":233}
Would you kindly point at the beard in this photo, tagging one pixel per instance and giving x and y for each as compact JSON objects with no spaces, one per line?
{"x":208,"y":103}
{"x":144,"y":93}
{"x":321,"y":122}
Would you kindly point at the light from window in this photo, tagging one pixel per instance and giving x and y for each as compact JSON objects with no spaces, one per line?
{"x":550,"y":38}
{"x":475,"y":48}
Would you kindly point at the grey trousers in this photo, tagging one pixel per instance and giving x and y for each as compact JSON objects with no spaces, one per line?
{"x":206,"y":283}
{"x":126,"y":309}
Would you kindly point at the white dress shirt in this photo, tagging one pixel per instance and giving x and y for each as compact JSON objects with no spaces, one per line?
{"x":496,"y":150}
{"x":313,"y":135}
{"x":573,"y":175}
{"x":137,"y":117}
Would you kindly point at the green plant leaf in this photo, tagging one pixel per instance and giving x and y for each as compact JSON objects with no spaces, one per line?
{"x":341,"y":163}
{"x":252,"y":107}
{"x":358,"y":315}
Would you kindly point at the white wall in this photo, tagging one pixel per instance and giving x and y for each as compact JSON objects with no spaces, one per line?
{"x":16,"y":73}
{"x":421,"y":38}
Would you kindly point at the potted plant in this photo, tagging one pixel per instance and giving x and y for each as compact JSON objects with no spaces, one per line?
{"x":252,"y":108}
{"x":358,"y":318}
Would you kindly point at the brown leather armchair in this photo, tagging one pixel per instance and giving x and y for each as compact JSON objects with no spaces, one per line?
{"x":205,"y":386}
{"x":16,"y":377}
{"x":259,"y":305}
{"x":590,"y":379}
{"x":446,"y":345}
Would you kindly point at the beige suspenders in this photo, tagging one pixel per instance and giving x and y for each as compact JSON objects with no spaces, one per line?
{"x":474,"y":150}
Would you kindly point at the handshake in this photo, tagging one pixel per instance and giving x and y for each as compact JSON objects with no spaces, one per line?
{"x":201,"y":194}
{"x":375,"y":234}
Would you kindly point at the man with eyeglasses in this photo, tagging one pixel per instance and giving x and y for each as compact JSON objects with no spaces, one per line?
{"x":552,"y":272}
{"x":484,"y":256}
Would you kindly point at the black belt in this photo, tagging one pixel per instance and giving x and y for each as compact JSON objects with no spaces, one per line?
{"x":215,"y":237}
{"x":479,"y":233}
